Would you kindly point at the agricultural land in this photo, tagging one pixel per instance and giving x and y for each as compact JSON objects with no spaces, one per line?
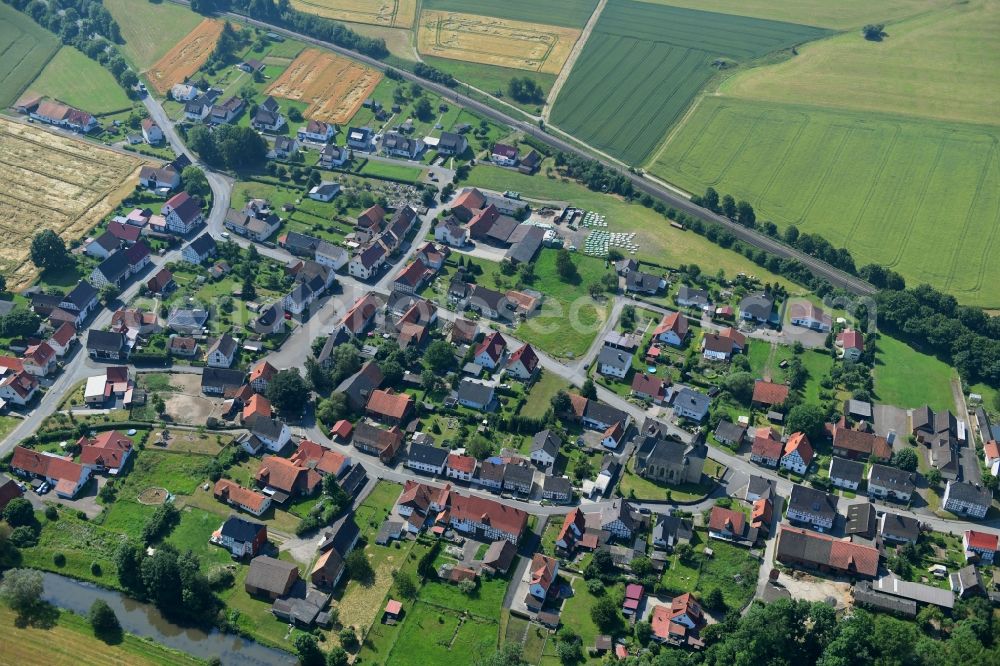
{"x":73,"y":78}
{"x":494,"y":41}
{"x":388,"y":13}
{"x":645,"y":63}
{"x":333,"y":86}
{"x":150,"y":29}
{"x":836,"y":15}
{"x":73,"y":184}
{"x":25,"y":48}
{"x":569,"y":13}
{"x":186,"y":57}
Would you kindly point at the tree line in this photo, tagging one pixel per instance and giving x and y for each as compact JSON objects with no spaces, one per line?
{"x":87,"y":26}
{"x":282,"y":14}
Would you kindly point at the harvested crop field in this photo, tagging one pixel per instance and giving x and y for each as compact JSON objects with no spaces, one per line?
{"x":495,"y":41}
{"x":912,"y":195}
{"x":571,"y":13}
{"x":644,"y":64}
{"x":186,"y":58}
{"x":52,"y":181}
{"x":391,"y":13}
{"x":334,"y":87}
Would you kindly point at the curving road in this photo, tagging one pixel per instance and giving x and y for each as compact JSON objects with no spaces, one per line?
{"x":670,"y":197}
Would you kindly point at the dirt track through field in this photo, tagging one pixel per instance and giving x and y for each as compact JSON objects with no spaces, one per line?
{"x":186,"y":58}
{"x":52,"y":181}
{"x":334,"y":87}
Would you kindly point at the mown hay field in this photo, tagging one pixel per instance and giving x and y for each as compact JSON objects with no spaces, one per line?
{"x":25,"y":48}
{"x":493,"y":41}
{"x":645,"y":63}
{"x":150,"y":29}
{"x":390,"y":13}
{"x":933,"y":65}
{"x":333,"y":86}
{"x":53,"y":181}
{"x":186,"y":57}
{"x":840,"y":15}
{"x":569,"y":13}
{"x":917,"y":196}
{"x":73,"y":78}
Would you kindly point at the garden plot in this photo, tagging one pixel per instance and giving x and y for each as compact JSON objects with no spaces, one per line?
{"x":334,"y":87}
{"x":186,"y":58}
{"x":53,"y":181}
{"x":388,"y":13}
{"x":493,"y":41}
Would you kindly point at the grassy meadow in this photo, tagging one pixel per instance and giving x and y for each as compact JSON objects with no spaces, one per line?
{"x":894,"y":191}
{"x":75,"y":79}
{"x":907,"y":378}
{"x":922,"y":68}
{"x":26,"y":48}
{"x":645,"y":63}
{"x":841,"y":15}
{"x":150,"y":29}
{"x":490,"y":78}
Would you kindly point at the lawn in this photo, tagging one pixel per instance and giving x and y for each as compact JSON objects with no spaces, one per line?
{"x":838,"y":16}
{"x":75,"y":79}
{"x":879,"y":185}
{"x":658,"y":242}
{"x":731,"y":569}
{"x":567,"y":303}
{"x":634,"y":486}
{"x":26,"y":48}
{"x":370,"y":513}
{"x":193,"y":532}
{"x":492,"y":79}
{"x":541,"y":394}
{"x":150,"y":29}
{"x":850,"y":72}
{"x":431,"y":635}
{"x":644,"y":64}
{"x":71,"y":642}
{"x":82,"y":542}
{"x":378,"y":169}
{"x":485,"y":602}
{"x":907,"y":378}
{"x":576,"y":610}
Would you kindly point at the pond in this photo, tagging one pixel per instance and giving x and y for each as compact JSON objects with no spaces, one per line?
{"x":144,"y":620}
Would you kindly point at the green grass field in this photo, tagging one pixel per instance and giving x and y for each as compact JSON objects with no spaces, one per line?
{"x":541,"y":394}
{"x":906,"y":378}
{"x":387,"y":170}
{"x":150,"y":29}
{"x":75,"y":79}
{"x":569,"y":13}
{"x":880,"y":185}
{"x":645,"y":63}
{"x":491,"y":79}
{"x":658,"y":241}
{"x":836,"y":15}
{"x":701,"y":574}
{"x":25,"y":48}
{"x":930,"y":50}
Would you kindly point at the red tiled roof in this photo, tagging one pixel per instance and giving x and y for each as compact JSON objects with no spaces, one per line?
{"x":412,"y":274}
{"x":64,"y":334}
{"x":726,"y":520}
{"x":125,"y":232}
{"x":633,"y":591}
{"x":389,"y":404}
{"x":237,"y":494}
{"x":257,"y":405}
{"x":991,"y":449}
{"x":527,"y":356}
{"x":52,"y":467}
{"x":40,"y":354}
{"x":371,"y":217}
{"x":851,"y":339}
{"x":769,"y":393}
{"x":857,"y":441}
{"x":543,"y":570}
{"x":799,"y":442}
{"x":482,"y":510}
{"x":649,"y":385}
{"x":766,"y":444}
{"x":311,"y":454}
{"x":342,"y":429}
{"x":842,"y":555}
{"x":472,"y":199}
{"x":263,"y":370}
{"x":283,"y":474}
{"x":494,"y":346}
{"x":615,"y":432}
{"x":574,"y":517}
{"x":460,"y":463}
{"x":981,"y":540}
{"x":15,"y":364}
{"x":483,"y":221}
{"x":675,"y":322}
{"x":393,"y":607}
{"x":761,"y":514}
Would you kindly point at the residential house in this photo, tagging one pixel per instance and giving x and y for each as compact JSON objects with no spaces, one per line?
{"x":161,"y":283}
{"x":270,"y":578}
{"x":980,"y":546}
{"x":545,"y":446}
{"x":721,"y":346}
{"x":359,"y":387}
{"x":332,"y":157}
{"x":691,"y":404}
{"x":491,"y":351}
{"x":103,"y":246}
{"x":199,"y":107}
{"x":503,"y":155}
{"x":813,"y":507}
{"x":613,"y":363}
{"x":451,"y":232}
{"x":461,"y":467}
{"x":187,"y":321}
{"x":395,"y":144}
{"x":540,"y":575}
{"x":182,"y":213}
{"x":486,"y":517}
{"x":476,"y":395}
{"x":227,"y":111}
{"x":966,"y":582}
{"x":367,"y":262}
{"x":967,"y":500}
{"x":412,"y":278}
{"x":283,"y":148}
{"x":730,"y":434}
{"x":268,"y":117}
{"x":256,"y":406}
{"x":757,"y":308}
{"x":677,"y":624}
{"x":892,"y":483}
{"x":107,"y":345}
{"x":317,"y":131}
{"x":899,"y":529}
{"x":858,"y":444}
{"x":670,"y":530}
{"x":637,"y":282}
{"x":241,"y":537}
{"x":222,"y":352}
{"x":807,"y":315}
{"x":332,"y":256}
{"x":850,"y":345}
{"x":376,"y":441}
{"x":389,"y":407}
{"x":530,"y":162}
{"x":183,"y":92}
{"x":261,"y":373}
{"x":241,"y":498}
{"x":326,"y":462}
{"x":499,"y":556}
{"x":450,"y":143}
{"x":256,"y":228}
{"x":797,"y":454}
{"x":518,"y":478}
{"x":597,"y":415}
{"x":220,"y":381}
{"x":618,"y":519}
{"x":61,"y":115}
{"x":40,"y":360}
{"x":325,"y":191}
{"x":523,"y":364}
{"x":846,"y":474}
{"x":862,"y":521}
{"x":690,"y":297}
{"x":672,"y":329}
{"x":267,"y":433}
{"x":63,"y":339}
{"x":17,"y":386}
{"x":557,"y":489}
{"x":151,"y":132}
{"x":732,"y":525}
{"x":650,"y":387}
{"x":281,"y":478}
{"x":427,"y":458}
{"x":768,"y":394}
{"x":9,"y":490}
{"x":108,"y":452}
{"x":768,"y":449}
{"x":298,"y":244}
